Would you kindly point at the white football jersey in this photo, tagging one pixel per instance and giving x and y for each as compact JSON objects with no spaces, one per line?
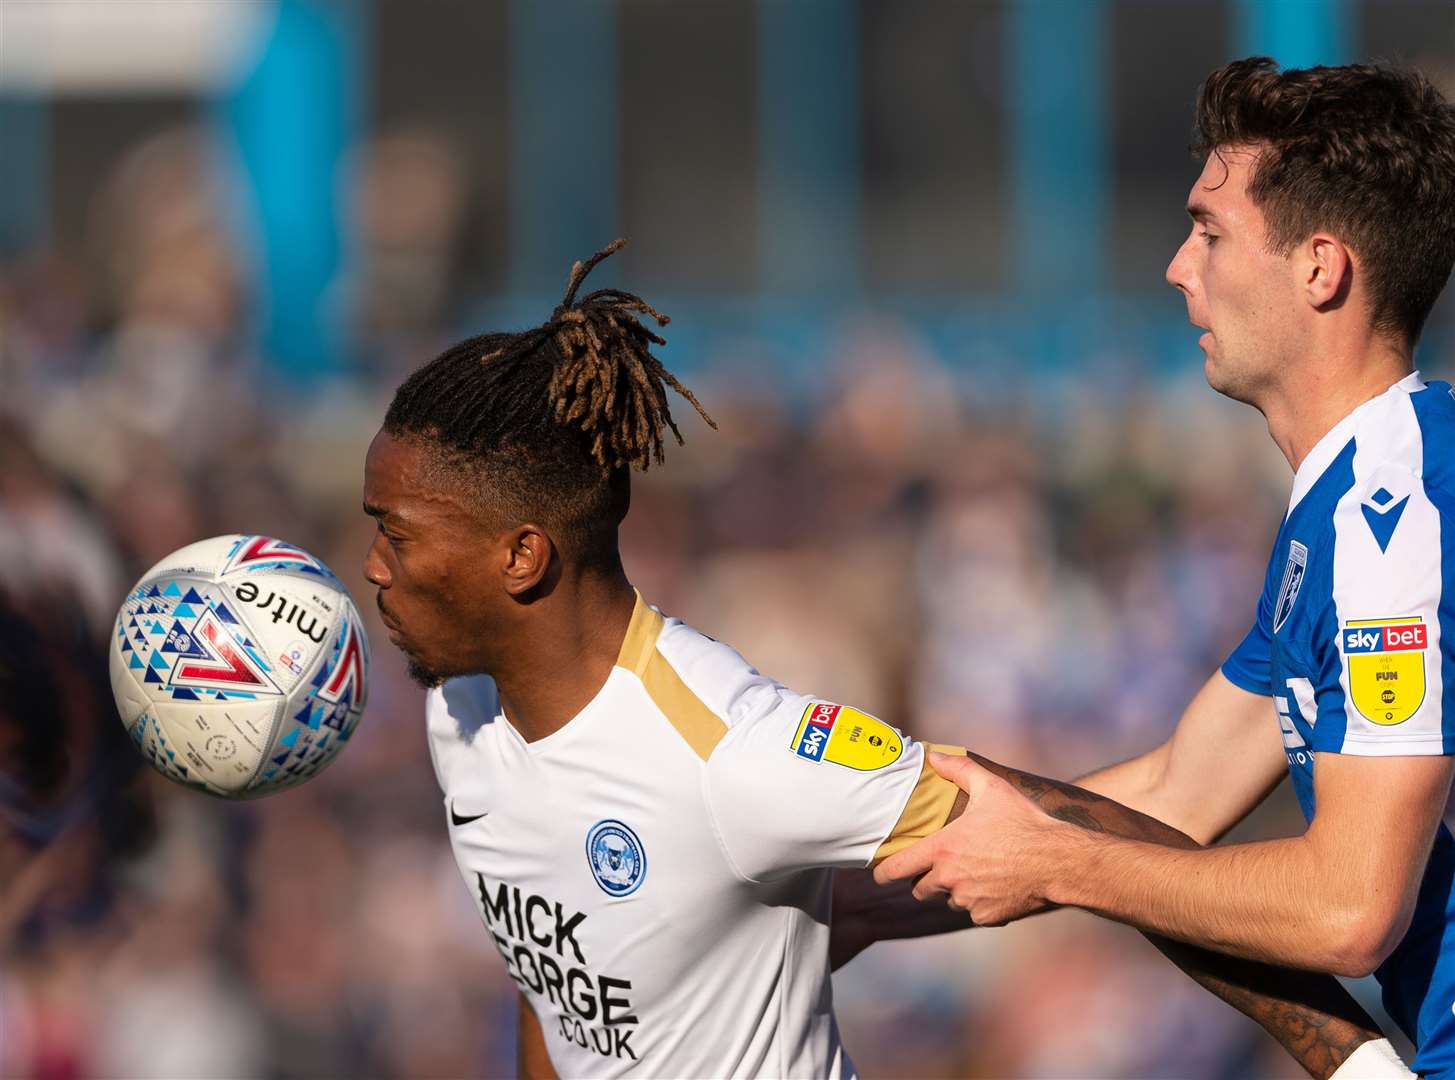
{"x":656,"y":874}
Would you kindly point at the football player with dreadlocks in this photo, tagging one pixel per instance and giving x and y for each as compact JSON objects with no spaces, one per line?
{"x":650,"y":827}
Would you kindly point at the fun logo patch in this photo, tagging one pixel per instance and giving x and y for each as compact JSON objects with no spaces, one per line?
{"x":1386,"y":659}
{"x":847,"y":737}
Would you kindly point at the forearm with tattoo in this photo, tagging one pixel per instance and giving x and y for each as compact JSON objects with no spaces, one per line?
{"x":1312,"y":1016}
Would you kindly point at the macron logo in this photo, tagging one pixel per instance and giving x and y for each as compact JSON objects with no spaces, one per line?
{"x":1382,"y":514}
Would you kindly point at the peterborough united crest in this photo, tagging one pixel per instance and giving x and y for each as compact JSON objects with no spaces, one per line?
{"x":617,"y":859}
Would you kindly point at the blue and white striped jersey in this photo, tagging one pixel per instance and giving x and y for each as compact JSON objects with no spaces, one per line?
{"x":1355,"y":642}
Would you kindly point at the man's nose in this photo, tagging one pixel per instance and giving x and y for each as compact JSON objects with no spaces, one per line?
{"x":1178,"y":271}
{"x":376,"y":572}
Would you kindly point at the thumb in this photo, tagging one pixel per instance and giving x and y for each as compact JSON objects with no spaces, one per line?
{"x":967,"y":775}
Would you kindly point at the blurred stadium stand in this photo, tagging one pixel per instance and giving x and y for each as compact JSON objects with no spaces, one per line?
{"x":968,"y":475}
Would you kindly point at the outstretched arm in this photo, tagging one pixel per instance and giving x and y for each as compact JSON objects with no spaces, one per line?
{"x":532,"y":1062}
{"x":1313,"y":1018}
{"x":1221,"y":761}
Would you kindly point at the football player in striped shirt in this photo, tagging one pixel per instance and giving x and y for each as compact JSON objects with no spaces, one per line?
{"x":1323,"y":229}
{"x":649,"y":827}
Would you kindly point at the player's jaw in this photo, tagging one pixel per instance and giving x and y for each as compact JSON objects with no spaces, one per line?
{"x":421,"y":668}
{"x":1238,"y":347}
{"x":1231,"y":366}
{"x":1247,"y":339}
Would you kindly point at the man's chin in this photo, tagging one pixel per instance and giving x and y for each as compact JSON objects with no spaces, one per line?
{"x":1230,"y":383}
{"x":424,"y":676}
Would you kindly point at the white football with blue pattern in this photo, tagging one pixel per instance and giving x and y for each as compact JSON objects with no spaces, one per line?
{"x":239,"y":665}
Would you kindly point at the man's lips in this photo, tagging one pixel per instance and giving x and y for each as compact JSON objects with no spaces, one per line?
{"x":388,"y":620}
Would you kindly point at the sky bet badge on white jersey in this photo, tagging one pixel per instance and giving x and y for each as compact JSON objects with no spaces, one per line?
{"x":239,"y":665}
{"x":845,"y":736}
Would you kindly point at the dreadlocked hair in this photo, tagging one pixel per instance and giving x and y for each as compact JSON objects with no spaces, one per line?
{"x":551,"y":420}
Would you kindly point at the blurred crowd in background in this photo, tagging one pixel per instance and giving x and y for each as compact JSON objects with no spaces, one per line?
{"x":1047,"y":579}
{"x":1041,"y":564}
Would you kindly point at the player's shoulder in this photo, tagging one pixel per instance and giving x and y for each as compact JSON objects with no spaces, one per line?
{"x":718,"y":675}
{"x":1403,"y":465}
{"x":835,"y":778}
{"x":457,"y":713}
{"x":1400,"y":450}
{"x":703,"y":687}
{"x":1393,"y":513}
{"x":761,"y":717}
{"x":1410,"y":428}
{"x":1433,"y":406}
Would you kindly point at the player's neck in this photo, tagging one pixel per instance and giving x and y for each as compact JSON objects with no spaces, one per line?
{"x":566,"y":654}
{"x":1318,"y":394}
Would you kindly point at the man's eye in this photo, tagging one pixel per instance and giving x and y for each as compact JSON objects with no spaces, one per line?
{"x":1211,"y":238}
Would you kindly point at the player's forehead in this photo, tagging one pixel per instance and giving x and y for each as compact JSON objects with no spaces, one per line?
{"x":390,"y":465}
{"x":400,"y":487}
{"x":1220,"y":191}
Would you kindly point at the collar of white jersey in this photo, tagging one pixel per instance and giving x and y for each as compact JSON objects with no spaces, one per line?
{"x":1338,"y":436}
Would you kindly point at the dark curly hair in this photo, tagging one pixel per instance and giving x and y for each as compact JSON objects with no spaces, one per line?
{"x":1365,"y":151}
{"x":545,"y":425}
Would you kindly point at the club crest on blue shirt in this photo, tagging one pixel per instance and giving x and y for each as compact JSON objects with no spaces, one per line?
{"x":1293,"y":572}
{"x":617,"y":859}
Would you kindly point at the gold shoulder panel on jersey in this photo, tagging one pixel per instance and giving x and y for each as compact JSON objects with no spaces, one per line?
{"x":928,"y":807}
{"x":641,"y":638}
{"x":700,"y":727}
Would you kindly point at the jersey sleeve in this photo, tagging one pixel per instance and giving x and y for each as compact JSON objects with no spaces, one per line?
{"x":1385,"y":653}
{"x":815,"y":784}
{"x":1249,"y":666}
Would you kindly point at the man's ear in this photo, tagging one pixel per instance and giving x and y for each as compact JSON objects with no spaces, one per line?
{"x":528,"y":559}
{"x":1327,"y":270}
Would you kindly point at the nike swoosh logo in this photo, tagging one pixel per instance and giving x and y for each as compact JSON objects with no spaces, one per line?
{"x":456,"y":819}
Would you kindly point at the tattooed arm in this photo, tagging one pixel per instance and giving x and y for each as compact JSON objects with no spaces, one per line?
{"x":1312,"y":1016}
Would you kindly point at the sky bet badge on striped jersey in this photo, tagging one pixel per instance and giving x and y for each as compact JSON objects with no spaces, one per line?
{"x":1386,"y":666}
{"x":847,"y":737}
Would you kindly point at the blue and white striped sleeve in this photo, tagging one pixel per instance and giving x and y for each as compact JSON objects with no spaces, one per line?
{"x":1386,"y":643}
{"x":1249,"y":666}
